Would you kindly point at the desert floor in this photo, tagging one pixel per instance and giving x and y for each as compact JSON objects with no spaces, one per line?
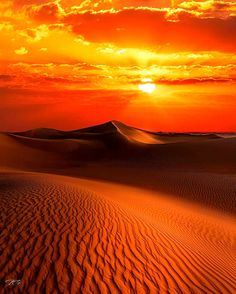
{"x":117,"y":210}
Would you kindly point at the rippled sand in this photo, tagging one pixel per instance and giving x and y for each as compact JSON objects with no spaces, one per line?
{"x":138,"y":226}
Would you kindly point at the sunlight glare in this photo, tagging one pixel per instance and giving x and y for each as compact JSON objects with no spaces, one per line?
{"x":147,"y":87}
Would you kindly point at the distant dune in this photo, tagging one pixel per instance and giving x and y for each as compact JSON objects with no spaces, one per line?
{"x":116,"y":142}
{"x":115,"y":209}
{"x":115,"y":127}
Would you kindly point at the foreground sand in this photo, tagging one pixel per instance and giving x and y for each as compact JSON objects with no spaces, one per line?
{"x":67,"y":235}
{"x":113,"y":209}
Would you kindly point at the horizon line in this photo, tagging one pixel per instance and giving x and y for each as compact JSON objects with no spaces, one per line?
{"x":116,"y":121}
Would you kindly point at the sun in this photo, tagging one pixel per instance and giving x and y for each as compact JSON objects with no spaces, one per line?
{"x":147,"y":88}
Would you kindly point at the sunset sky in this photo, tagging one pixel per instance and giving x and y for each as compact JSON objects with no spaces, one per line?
{"x":68,"y":64}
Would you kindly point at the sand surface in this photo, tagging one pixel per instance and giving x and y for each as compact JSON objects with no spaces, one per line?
{"x":112,"y":225}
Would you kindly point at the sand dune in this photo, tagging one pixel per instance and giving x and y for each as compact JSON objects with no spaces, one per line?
{"x":116,"y":142}
{"x":100,"y":132}
{"x":211,"y":190}
{"x":28,"y":154}
{"x":63,"y":235}
{"x":200,"y":155}
{"x":129,"y":212}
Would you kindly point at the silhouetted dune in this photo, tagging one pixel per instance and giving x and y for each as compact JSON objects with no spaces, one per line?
{"x":118,"y":142}
{"x":42,"y":133}
{"x":114,"y":127}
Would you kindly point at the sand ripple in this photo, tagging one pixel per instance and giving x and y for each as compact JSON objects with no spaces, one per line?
{"x":58,"y":237}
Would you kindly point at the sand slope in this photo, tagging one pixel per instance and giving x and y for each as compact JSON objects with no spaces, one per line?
{"x":131,"y":212}
{"x":63,"y":235}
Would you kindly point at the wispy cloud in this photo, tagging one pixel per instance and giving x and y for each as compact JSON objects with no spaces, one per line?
{"x":21,"y":51}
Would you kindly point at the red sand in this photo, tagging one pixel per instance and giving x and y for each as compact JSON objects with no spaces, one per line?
{"x":132,"y":227}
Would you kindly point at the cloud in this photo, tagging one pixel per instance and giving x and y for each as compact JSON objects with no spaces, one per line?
{"x":21,"y":51}
{"x":20,"y":3}
{"x":6,"y":77}
{"x":159,"y":29}
{"x":212,"y":23}
{"x":35,"y":34}
{"x":6,"y":27}
{"x":55,"y":77}
{"x":211,"y":7}
{"x":195,"y":81}
{"x":96,"y":5}
{"x":46,"y":13}
{"x":81,"y":40}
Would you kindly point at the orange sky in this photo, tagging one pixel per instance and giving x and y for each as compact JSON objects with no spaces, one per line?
{"x":69,"y":64}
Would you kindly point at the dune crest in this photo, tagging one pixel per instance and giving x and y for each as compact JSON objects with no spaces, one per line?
{"x":136,"y":135}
